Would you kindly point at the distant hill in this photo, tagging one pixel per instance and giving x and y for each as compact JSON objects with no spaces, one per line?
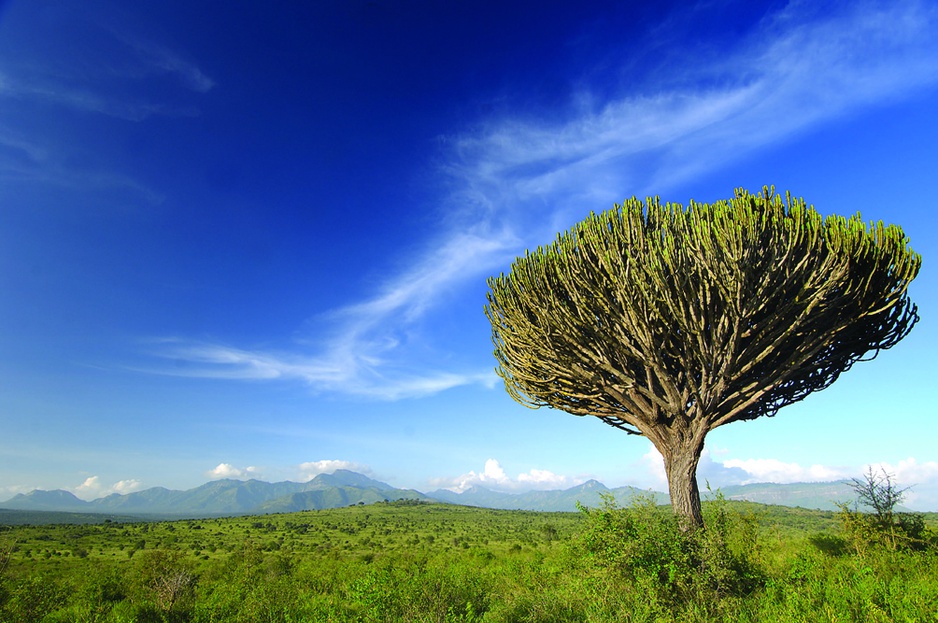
{"x":344,"y":488}
{"x":814,"y":495}
{"x":224,"y":497}
{"x":39,"y":500}
{"x":817,"y":495}
{"x":588,"y":494}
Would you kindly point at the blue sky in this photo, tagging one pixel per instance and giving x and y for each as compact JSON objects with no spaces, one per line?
{"x":254,"y":243}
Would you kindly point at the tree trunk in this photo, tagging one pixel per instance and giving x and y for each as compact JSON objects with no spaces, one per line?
{"x":680,"y":464}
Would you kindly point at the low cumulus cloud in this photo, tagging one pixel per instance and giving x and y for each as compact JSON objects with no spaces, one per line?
{"x":10,"y":491}
{"x":773,"y":470}
{"x":493,"y":476}
{"x":92,"y":488}
{"x":311,"y":469}
{"x":227,"y":470}
{"x":721,"y":473}
{"x":302,"y":472}
{"x":919,"y":477}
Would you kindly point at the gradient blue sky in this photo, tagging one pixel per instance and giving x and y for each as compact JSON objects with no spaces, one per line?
{"x":254,"y":242}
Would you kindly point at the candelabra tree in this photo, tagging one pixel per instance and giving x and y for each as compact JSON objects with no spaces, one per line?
{"x":667,"y":322}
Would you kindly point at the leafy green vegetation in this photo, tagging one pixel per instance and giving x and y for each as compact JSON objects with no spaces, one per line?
{"x":884,"y":527}
{"x":411,"y":561}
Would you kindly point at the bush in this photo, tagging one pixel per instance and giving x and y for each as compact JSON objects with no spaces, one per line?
{"x":884,"y":527}
{"x":32,"y":598}
{"x":646,"y":550}
{"x":168,"y":582}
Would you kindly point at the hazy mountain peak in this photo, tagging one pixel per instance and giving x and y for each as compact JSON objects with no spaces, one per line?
{"x":591,"y":484}
{"x":347,"y":478}
{"x":37,"y":499}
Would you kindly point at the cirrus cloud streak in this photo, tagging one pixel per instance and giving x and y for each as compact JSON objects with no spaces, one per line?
{"x":514,"y":181}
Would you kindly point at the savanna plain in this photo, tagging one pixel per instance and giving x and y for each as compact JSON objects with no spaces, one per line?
{"x":409,"y":561}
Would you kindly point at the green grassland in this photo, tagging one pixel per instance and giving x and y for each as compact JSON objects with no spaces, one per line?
{"x":408,"y":561}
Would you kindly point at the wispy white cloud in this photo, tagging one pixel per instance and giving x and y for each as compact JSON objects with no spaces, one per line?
{"x":24,"y":148}
{"x":88,"y":99}
{"x":493,"y":476}
{"x":156,"y":58}
{"x":39,"y":163}
{"x":354,"y":367}
{"x":797,"y":69}
{"x":362,"y":342}
{"x":515,"y":181}
{"x":111,"y":75}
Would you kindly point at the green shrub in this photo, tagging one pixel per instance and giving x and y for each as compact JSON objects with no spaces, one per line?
{"x":884,"y":527}
{"x":168,"y":583}
{"x":645,"y":549}
{"x":32,"y":598}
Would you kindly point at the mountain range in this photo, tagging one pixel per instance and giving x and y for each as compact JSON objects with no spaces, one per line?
{"x":224,"y":497}
{"x":344,"y":488}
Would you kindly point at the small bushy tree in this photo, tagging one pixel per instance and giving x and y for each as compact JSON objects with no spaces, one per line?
{"x":879,"y":492}
{"x":168,"y":579}
{"x":884,"y":526}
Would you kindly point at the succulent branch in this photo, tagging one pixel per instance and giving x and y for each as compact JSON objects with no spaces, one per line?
{"x":669,"y":321}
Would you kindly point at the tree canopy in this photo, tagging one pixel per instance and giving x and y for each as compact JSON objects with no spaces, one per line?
{"x":666,"y":321}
